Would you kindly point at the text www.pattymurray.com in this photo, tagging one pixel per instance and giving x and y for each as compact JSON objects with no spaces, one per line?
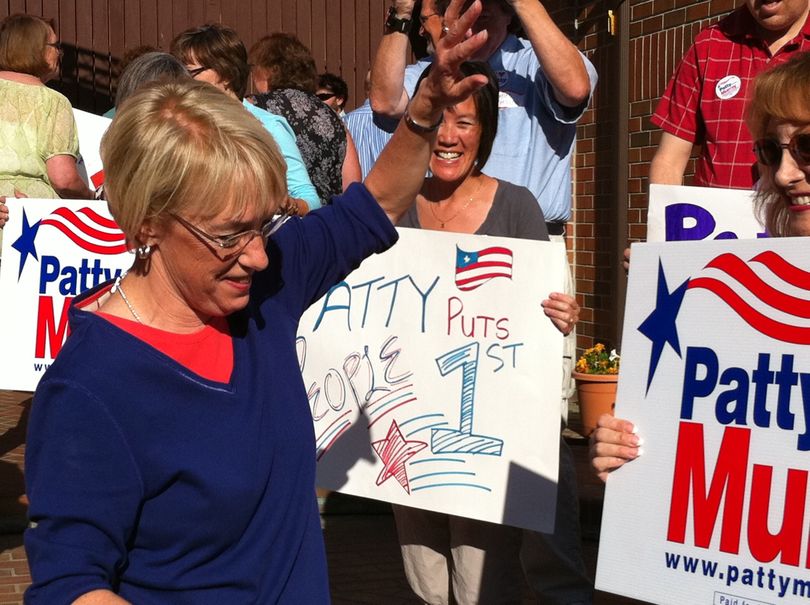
{"x":760,"y":577}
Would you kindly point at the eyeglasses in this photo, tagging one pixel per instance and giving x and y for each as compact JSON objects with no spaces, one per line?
{"x":769,"y":150}
{"x":423,"y":18}
{"x":234,"y":244}
{"x":55,"y":45}
{"x":324,"y":96}
{"x":197,"y":71}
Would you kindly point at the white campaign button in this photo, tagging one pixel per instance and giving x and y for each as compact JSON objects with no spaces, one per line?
{"x":728,"y":87}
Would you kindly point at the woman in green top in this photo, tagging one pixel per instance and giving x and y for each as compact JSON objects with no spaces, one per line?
{"x":38,"y":140}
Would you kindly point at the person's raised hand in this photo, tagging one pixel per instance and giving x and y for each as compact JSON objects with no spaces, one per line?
{"x":403,"y":8}
{"x":445,"y":85}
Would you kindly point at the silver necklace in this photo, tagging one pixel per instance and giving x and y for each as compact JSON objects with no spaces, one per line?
{"x":117,"y":288}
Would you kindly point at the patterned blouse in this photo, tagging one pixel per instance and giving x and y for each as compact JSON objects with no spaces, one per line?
{"x":36,"y":124}
{"x":320,"y":135}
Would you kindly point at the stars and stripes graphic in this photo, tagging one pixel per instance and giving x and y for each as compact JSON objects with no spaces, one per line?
{"x":474,"y":269}
{"x":88,"y":230}
{"x":769,"y":293}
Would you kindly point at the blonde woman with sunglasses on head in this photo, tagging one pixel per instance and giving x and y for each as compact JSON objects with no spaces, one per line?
{"x":779,"y":120}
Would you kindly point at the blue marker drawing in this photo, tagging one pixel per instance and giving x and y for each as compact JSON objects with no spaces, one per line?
{"x":418,"y":418}
{"x":387,"y":403}
{"x":426,"y":427}
{"x":426,"y":460}
{"x":442,"y":473}
{"x":473,"y":485}
{"x":462,"y":440}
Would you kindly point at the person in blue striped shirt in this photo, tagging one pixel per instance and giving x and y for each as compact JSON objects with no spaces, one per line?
{"x":370,"y":132}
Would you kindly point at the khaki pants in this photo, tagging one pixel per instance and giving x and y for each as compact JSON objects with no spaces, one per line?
{"x":451,"y":559}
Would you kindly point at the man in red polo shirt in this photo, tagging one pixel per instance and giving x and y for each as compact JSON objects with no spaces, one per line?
{"x":704,"y":103}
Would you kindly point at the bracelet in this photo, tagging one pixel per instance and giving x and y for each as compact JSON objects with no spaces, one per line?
{"x":419,"y":128}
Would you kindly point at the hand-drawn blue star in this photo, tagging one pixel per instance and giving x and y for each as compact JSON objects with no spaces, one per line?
{"x":25,"y":243}
{"x":659,"y":326}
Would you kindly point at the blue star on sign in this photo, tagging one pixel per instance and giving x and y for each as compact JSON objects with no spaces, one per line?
{"x":25,"y":243}
{"x":659,"y":326}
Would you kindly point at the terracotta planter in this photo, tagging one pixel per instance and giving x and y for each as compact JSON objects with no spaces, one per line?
{"x":597,"y":396}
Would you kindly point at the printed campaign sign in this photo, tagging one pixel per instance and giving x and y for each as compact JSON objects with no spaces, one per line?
{"x":697,"y":213}
{"x":90,"y":128}
{"x":52,"y":251}
{"x":716,"y":377}
{"x":434,"y":378}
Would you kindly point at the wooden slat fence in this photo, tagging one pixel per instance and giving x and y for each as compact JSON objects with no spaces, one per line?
{"x":343,"y":34}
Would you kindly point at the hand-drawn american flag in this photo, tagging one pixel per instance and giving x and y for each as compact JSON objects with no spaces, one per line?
{"x":768,"y":293}
{"x":474,"y":269}
{"x":88,"y":230}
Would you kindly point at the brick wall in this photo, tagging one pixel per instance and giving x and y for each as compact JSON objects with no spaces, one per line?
{"x":605,"y":218}
{"x":660,"y":32}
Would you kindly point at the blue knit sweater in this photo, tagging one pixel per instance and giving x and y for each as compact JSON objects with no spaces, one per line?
{"x":165,"y":487}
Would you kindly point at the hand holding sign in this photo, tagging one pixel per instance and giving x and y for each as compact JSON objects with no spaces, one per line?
{"x":613,"y":443}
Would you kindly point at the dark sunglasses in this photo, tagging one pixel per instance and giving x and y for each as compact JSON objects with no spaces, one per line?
{"x":324,"y":96}
{"x":769,"y":150}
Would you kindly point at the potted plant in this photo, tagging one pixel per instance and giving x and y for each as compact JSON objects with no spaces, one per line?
{"x":597,"y":374}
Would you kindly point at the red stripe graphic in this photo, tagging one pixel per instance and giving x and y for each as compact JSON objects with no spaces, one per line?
{"x":80,"y":232}
{"x":103,"y":221}
{"x":495,"y":250}
{"x":758,"y":321}
{"x":784,"y":270}
{"x":736,"y":268}
{"x":478,"y":265}
{"x":478,"y":278}
{"x":87,"y":229}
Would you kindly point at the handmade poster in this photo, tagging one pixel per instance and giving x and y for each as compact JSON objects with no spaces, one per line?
{"x":716,"y":376}
{"x":52,"y":251}
{"x":90,"y":128}
{"x":434,"y":378}
{"x":697,"y":213}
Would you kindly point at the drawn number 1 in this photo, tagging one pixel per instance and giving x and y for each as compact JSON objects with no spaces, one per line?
{"x":463,"y":440}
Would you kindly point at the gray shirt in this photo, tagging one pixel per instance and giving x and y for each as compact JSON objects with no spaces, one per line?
{"x":514,"y":213}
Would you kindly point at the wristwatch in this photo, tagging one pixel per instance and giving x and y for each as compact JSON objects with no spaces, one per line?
{"x":396,"y":24}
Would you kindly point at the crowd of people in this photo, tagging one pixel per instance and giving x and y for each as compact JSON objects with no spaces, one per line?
{"x":170,"y":449}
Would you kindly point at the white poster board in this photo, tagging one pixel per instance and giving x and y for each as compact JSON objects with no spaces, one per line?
{"x":716,"y":377}
{"x":90,"y":128}
{"x":697,"y":213}
{"x":435,"y":379}
{"x":52,"y":251}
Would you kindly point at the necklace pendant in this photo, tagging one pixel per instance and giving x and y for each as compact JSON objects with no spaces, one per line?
{"x":442,"y":225}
